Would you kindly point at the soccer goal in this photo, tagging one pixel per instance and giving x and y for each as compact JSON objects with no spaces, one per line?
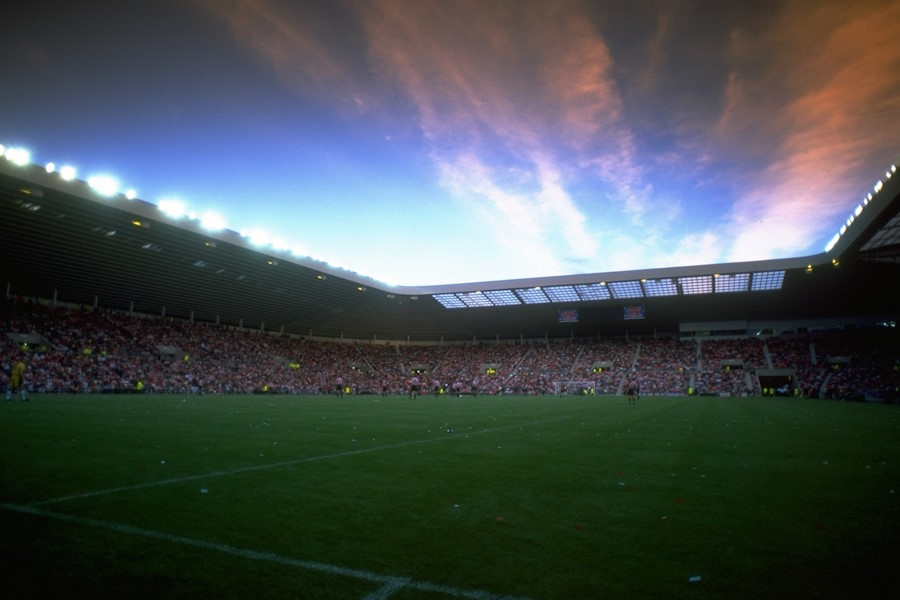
{"x":572,"y":388}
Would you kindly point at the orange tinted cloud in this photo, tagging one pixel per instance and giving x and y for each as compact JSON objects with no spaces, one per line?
{"x":295,"y":44}
{"x":813,"y":95}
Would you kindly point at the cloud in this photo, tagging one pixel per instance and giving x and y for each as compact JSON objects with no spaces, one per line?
{"x":520,"y":109}
{"x":813,"y":95}
{"x":506,"y":83}
{"x":294,"y":42}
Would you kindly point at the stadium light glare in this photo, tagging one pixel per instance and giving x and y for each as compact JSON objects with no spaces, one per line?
{"x":131,"y":194}
{"x":832,"y":242}
{"x":212,"y":221}
{"x":859,"y":209}
{"x":67,"y":172}
{"x":259,"y":237}
{"x":172,"y":208}
{"x":51,"y":167}
{"x":104,"y":185}
{"x":18,"y":156}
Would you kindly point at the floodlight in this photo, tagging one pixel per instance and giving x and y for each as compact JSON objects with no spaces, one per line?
{"x":858,"y":210}
{"x":259,"y":237}
{"x":878,"y":186}
{"x":18,"y":156}
{"x":172,"y":208}
{"x":131,"y":194}
{"x":212,"y":221}
{"x":104,"y":185}
{"x":67,"y":172}
{"x":51,"y":167}
{"x":832,"y":242}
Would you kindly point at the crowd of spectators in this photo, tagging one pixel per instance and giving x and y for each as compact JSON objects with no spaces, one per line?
{"x":95,"y":350}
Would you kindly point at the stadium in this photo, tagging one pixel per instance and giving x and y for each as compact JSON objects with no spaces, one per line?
{"x":366,"y":492}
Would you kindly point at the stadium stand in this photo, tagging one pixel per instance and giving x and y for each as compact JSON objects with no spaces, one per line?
{"x":101,"y":293}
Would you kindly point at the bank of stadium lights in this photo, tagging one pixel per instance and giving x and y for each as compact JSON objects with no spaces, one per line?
{"x":879,"y":185}
{"x":17,"y":156}
{"x":211,"y":221}
{"x":104,"y":185}
{"x":172,"y":208}
{"x":107,"y":186}
{"x":257,"y":237}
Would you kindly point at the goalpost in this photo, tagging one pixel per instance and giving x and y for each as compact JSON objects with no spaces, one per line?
{"x":572,"y":388}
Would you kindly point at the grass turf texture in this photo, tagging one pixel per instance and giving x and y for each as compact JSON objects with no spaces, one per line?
{"x":538,"y":497}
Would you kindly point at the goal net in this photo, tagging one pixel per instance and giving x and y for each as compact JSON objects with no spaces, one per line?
{"x":572,"y":388}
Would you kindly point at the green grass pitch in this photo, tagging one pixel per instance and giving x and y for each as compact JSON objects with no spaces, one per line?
{"x":438,"y":498}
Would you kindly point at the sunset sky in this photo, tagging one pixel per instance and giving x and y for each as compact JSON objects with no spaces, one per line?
{"x":423,"y":142}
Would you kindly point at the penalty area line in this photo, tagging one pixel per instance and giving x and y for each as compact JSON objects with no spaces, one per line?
{"x":284,"y":463}
{"x":389,"y":583}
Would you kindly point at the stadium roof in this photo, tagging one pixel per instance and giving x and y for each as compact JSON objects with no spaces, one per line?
{"x":65,"y":241}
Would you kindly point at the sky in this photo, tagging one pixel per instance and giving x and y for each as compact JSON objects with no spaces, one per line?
{"x":423,"y":142}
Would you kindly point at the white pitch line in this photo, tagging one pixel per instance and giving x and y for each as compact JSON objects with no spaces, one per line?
{"x":285,"y":463}
{"x":389,"y":583}
{"x":387,"y":590}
